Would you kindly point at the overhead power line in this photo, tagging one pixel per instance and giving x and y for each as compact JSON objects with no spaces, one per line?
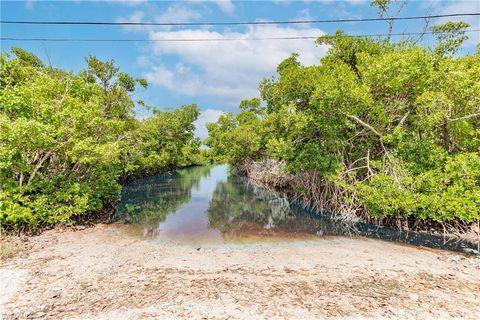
{"x":229,"y":23}
{"x":216,"y":39}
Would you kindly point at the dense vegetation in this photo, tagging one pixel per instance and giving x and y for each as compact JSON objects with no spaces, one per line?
{"x":388,"y":131}
{"x":68,"y":141}
{"x":380,"y":129}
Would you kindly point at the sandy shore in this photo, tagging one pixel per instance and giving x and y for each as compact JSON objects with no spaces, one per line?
{"x":97,"y":273}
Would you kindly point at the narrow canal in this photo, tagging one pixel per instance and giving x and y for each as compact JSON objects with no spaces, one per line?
{"x":214,"y":204}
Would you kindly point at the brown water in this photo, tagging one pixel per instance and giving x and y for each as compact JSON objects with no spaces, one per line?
{"x":212,"y":204}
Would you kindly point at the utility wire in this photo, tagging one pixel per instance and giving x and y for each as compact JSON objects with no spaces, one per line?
{"x":106,"y":23}
{"x":218,"y":39}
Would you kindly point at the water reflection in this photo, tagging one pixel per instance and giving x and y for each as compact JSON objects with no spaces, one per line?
{"x":147,"y":202}
{"x":210,"y":204}
{"x":243,"y":211}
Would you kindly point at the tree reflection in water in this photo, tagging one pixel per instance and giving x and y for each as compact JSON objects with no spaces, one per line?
{"x":240,"y":209}
{"x":147,"y":202}
{"x":211,"y":204}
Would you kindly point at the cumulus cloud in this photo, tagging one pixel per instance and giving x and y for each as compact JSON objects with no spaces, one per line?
{"x":228,"y":70}
{"x":174,"y":13}
{"x":177,"y":13}
{"x":206,"y":116}
{"x":225,"y":5}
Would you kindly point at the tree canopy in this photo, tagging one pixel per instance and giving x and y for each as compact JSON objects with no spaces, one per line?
{"x":68,"y":141}
{"x":394,"y":126}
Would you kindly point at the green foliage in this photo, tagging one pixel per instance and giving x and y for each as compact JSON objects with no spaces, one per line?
{"x":450,"y":37}
{"x":254,"y":105}
{"x":26,"y":58}
{"x":164,"y":141}
{"x":396,"y":125}
{"x":447,"y":192}
{"x":233,"y":138}
{"x":347,"y":49}
{"x":382,"y":5}
{"x":66,"y":140}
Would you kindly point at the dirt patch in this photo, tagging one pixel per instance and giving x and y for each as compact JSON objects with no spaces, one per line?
{"x":11,"y":246}
{"x":97,"y":273}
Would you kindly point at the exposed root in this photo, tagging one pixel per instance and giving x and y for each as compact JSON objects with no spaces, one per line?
{"x":325,"y":196}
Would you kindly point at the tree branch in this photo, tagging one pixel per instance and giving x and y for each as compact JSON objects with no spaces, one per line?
{"x":366,"y":125}
{"x":38,"y":166}
{"x":465,"y":117}
{"x":402,"y":121}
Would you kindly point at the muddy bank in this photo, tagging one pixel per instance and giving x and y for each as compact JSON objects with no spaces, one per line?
{"x":100,"y":273}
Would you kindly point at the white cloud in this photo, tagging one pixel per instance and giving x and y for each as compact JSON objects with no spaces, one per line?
{"x":461,"y":7}
{"x":303,"y":14}
{"x":177,"y":13}
{"x":228,"y":70}
{"x":173,"y":14}
{"x":225,"y":5}
{"x":135,"y":17}
{"x":357,"y":2}
{"x":206,"y":116}
{"x":129,"y":2}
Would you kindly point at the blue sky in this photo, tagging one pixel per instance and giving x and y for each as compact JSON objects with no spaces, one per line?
{"x":215,"y":75}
